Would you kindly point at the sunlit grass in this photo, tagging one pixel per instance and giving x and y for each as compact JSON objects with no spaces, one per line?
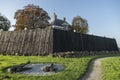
{"x":111,"y":68}
{"x":75,"y":67}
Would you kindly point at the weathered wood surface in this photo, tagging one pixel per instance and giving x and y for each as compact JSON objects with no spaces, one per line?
{"x":27,"y":42}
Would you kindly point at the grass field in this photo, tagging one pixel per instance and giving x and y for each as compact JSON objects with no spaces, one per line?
{"x":75,"y":67}
{"x":111,"y":68}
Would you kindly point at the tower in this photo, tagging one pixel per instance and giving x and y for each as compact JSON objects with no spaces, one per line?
{"x":54,"y":17}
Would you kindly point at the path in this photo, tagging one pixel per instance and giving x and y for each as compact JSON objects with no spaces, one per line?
{"x":95,"y":71}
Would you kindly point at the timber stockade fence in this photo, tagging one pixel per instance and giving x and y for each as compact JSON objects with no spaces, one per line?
{"x":70,"y":41}
{"x":47,"y":41}
{"x":26,"y":42}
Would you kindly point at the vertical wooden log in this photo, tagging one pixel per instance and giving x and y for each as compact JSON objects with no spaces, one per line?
{"x":33,"y":42}
{"x":23,"y":35}
{"x":26,"y":43}
{"x":7,"y":41}
{"x":50,"y":43}
{"x":1,"y":41}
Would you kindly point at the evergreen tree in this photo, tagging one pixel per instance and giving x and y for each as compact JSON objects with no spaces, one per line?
{"x":4,"y":23}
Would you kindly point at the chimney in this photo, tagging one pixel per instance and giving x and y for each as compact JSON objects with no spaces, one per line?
{"x":64,"y":19}
{"x":54,"y":17}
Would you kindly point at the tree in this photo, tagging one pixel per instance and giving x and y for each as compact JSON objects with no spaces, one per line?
{"x":31,"y":17}
{"x":79,"y":25}
{"x":4,"y":23}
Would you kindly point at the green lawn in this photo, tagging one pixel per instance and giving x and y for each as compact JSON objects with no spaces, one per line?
{"x":111,"y":68}
{"x":75,"y":67}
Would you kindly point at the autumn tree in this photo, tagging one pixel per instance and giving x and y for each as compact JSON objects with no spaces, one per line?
{"x":4,"y":23}
{"x":31,"y":17}
{"x":79,"y":25}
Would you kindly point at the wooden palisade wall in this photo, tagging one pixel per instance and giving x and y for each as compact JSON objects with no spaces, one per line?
{"x":48,"y":40}
{"x":69,"y":41}
{"x":26,"y":42}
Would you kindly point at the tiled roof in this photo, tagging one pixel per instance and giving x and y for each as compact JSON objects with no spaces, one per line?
{"x":59,"y":22}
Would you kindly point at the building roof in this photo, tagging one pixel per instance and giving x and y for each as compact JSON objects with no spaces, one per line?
{"x":59,"y":22}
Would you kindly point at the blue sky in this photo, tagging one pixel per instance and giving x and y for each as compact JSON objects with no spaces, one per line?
{"x":103,"y":15}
